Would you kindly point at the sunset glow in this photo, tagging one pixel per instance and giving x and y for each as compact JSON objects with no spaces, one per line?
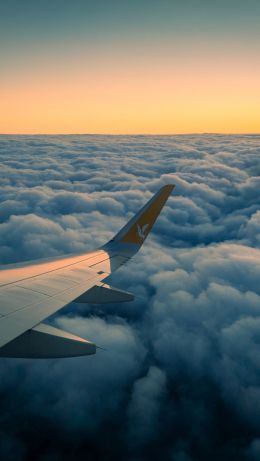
{"x":169,"y":83}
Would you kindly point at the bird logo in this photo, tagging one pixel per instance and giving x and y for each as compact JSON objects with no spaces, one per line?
{"x":141,"y":230}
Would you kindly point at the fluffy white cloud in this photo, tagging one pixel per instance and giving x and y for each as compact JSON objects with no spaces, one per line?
{"x":180,"y":377}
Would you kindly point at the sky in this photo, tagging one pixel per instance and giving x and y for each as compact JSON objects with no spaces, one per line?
{"x":180,"y":377}
{"x":125,"y":67}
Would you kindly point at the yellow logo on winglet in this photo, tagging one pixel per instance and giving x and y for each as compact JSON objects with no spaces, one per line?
{"x":141,"y":230}
{"x":141,"y":227}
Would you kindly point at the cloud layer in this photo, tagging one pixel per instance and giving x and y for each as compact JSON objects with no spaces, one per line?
{"x":180,"y":378}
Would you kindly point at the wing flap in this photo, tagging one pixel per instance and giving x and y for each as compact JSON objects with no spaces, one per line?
{"x":103,"y":293}
{"x":45,"y":341}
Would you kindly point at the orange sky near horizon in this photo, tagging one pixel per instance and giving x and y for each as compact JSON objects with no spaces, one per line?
{"x":183,"y":82}
{"x":181,"y":98}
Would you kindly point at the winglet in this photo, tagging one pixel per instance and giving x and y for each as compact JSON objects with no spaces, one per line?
{"x":138,"y":228}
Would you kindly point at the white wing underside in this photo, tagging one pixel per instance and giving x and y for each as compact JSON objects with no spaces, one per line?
{"x":31,"y":293}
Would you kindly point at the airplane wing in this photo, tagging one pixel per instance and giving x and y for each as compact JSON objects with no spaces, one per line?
{"x":30,"y":293}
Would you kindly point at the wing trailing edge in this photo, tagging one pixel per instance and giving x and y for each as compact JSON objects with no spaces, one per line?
{"x":103,"y":293}
{"x":45,"y":341}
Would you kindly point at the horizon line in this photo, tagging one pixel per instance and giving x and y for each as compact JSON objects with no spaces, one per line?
{"x":136,"y":134}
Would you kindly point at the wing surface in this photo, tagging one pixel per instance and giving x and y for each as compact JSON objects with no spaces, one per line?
{"x":30,"y":293}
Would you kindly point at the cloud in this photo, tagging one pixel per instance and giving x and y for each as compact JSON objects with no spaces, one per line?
{"x":179,"y":379}
{"x":144,"y":409}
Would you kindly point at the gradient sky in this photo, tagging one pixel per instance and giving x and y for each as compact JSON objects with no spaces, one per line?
{"x":130,"y":67}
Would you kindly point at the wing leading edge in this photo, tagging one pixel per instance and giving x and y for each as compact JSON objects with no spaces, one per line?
{"x":30,"y":293}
